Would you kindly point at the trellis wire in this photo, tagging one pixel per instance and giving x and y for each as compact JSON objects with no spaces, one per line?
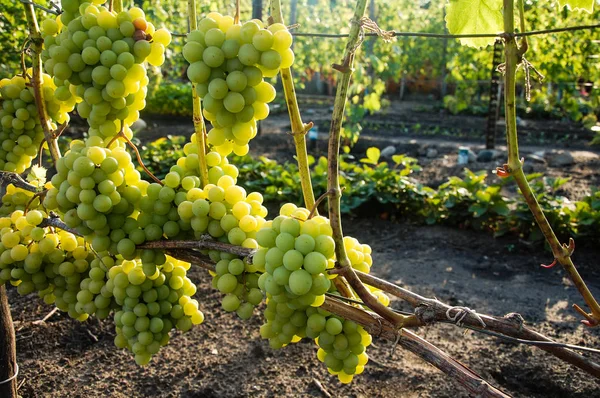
{"x":439,"y":35}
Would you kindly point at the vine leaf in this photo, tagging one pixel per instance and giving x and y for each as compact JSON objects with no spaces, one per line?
{"x":37,"y":175}
{"x":586,"y":5}
{"x":373,"y":154}
{"x":475,"y":16}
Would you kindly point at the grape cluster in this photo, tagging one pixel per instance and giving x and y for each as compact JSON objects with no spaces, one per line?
{"x":36,"y":259}
{"x":97,"y":57}
{"x":151,"y":305}
{"x":21,"y":132}
{"x":295,"y":253}
{"x":239,"y":282}
{"x":96,"y":189}
{"x":225,"y":212}
{"x":228,"y":62}
{"x":342,"y":344}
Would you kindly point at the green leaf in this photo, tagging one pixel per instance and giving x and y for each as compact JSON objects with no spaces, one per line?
{"x":585,"y":5}
{"x":477,"y":210}
{"x":37,"y":175}
{"x":372,"y":156}
{"x":475,"y":16}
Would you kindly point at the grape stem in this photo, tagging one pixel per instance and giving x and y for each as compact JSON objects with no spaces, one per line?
{"x":24,"y":49}
{"x":206,"y":242}
{"x":121,"y":134}
{"x":53,"y":220}
{"x":36,"y":39}
{"x":60,"y":130}
{"x":198,"y":118}
{"x":343,"y":263}
{"x":236,"y":17}
{"x":299,"y":129}
{"x":9,"y":177}
{"x":514,"y":167}
{"x":314,"y":211}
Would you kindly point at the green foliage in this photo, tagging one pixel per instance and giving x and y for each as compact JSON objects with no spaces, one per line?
{"x":161,"y":154}
{"x":474,"y":16}
{"x":467,"y":202}
{"x":13,"y":32}
{"x":173,"y":99}
{"x":586,"y":5}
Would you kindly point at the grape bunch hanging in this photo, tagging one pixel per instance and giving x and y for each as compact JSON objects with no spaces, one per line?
{"x":97,"y":57}
{"x":229,"y":62}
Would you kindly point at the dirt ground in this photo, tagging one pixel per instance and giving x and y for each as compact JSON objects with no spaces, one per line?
{"x":225,"y":357}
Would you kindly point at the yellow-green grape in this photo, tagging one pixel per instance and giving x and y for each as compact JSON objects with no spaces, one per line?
{"x":98,"y":59}
{"x":20,"y":130}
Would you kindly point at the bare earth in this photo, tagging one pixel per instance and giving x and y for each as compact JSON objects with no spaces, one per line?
{"x":225,"y":357}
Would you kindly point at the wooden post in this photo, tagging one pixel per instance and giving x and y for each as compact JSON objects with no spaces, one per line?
{"x":8,"y":349}
{"x":495,"y":97}
{"x":443,"y":65}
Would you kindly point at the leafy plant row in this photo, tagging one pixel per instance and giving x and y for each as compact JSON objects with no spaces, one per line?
{"x":467,"y":202}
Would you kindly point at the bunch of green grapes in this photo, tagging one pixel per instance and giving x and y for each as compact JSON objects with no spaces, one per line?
{"x":360,"y":259}
{"x":295,"y":253}
{"x":342,"y":343}
{"x":98,"y":58}
{"x":226,"y":213}
{"x":238,"y":280}
{"x":151,"y":306}
{"x":96,"y":189}
{"x":21,"y":132}
{"x":228,"y":62}
{"x":36,"y":259}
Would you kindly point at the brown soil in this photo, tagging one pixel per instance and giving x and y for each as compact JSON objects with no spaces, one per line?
{"x":225,"y":357}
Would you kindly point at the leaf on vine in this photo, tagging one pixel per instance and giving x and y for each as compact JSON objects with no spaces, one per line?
{"x":585,"y":5}
{"x":475,"y":16}
{"x":37,"y":176}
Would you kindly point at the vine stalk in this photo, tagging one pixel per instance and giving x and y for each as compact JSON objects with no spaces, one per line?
{"x":36,"y":80}
{"x":199,"y":126}
{"x":299,"y":129}
{"x":562,"y":252}
{"x":333,"y":182}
